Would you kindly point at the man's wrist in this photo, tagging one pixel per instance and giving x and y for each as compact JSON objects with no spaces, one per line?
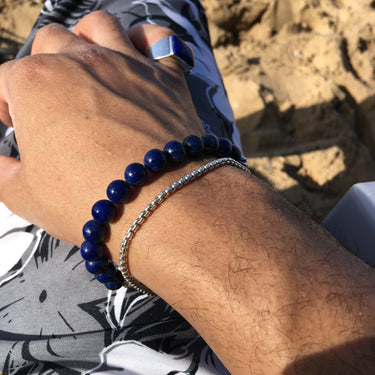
{"x":158,"y":200}
{"x":186,"y":218}
{"x":141,"y":198}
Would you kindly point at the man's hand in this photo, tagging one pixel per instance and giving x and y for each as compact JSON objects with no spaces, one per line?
{"x":84,"y":105}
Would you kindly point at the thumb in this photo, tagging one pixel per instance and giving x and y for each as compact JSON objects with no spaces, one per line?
{"x":10,"y":188}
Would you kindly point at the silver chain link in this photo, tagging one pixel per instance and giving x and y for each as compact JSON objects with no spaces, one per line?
{"x":130,"y":281}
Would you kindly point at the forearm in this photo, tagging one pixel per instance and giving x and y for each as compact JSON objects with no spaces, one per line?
{"x":260,"y":282}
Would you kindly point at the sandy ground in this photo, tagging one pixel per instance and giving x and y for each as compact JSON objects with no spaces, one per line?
{"x":17,"y":17}
{"x":300,"y":76}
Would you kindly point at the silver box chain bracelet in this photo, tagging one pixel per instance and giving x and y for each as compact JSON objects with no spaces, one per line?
{"x":157,"y":201}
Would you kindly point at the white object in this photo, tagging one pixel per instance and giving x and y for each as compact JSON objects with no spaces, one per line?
{"x":352,"y":221}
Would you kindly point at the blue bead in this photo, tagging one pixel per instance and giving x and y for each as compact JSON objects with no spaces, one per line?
{"x":91,"y":251}
{"x":103,"y":211}
{"x":193,"y":145}
{"x":155,"y":160}
{"x":105,"y":277}
{"x":175,"y":151}
{"x":113,"y":285}
{"x":97,"y":266}
{"x":136,"y":174}
{"x":225,"y":147}
{"x":93,"y":231}
{"x":108,"y":275}
{"x":118,"y":191}
{"x":235,"y":153}
{"x":211,"y":144}
{"x":117,"y":281}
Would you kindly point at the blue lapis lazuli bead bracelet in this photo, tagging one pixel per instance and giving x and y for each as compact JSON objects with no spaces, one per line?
{"x":119,"y":192}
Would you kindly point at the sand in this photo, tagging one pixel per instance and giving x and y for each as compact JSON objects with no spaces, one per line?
{"x":300,"y":75}
{"x":18,"y":16}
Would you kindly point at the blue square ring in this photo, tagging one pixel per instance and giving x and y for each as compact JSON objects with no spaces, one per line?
{"x":173,"y":46}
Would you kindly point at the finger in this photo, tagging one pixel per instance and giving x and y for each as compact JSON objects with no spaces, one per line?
{"x":4,"y":107}
{"x":105,"y":30}
{"x":145,"y":35}
{"x":55,"y":38}
{"x":9,"y":187}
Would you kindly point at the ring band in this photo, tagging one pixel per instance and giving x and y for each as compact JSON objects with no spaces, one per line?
{"x":173,"y":46}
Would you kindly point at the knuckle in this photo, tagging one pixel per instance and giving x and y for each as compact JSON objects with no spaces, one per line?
{"x":98,"y":15}
{"x":44,"y":32}
{"x":93,"y":56}
{"x":29,"y":67}
{"x":34,"y":72}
